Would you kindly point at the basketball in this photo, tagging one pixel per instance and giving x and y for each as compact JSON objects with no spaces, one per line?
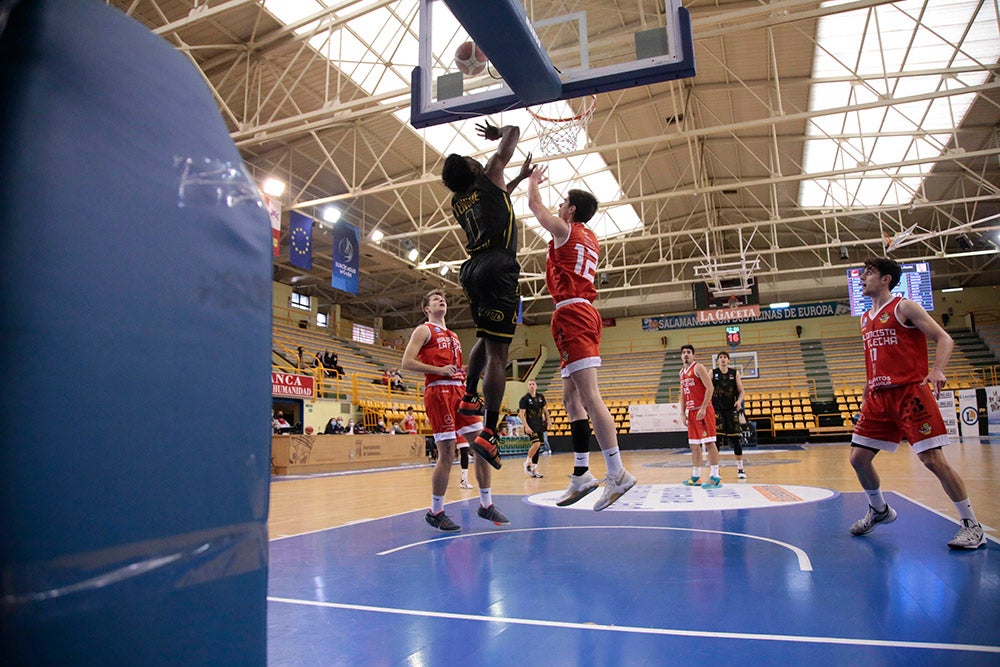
{"x":470,"y":59}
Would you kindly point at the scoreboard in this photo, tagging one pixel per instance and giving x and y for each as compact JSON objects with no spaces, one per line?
{"x":914,"y":284}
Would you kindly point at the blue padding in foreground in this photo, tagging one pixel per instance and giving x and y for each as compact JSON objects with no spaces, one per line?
{"x":136,"y":325}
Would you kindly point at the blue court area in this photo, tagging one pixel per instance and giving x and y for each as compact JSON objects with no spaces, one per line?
{"x":563,"y":586}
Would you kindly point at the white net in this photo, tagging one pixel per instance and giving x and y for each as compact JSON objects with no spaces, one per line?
{"x":562,"y":125}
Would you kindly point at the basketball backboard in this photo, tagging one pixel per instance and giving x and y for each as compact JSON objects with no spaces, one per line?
{"x":540,"y":58}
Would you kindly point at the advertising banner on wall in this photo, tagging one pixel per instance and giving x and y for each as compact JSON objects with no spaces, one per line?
{"x":993,"y":409}
{"x":968,"y":413}
{"x":655,"y":418}
{"x":946,"y":402}
{"x":297,"y":386}
{"x":754,"y":314}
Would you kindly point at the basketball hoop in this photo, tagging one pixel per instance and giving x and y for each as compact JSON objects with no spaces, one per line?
{"x":559,"y":131}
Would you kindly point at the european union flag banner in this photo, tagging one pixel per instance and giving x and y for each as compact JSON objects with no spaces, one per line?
{"x":301,"y":233}
{"x":346,"y":250}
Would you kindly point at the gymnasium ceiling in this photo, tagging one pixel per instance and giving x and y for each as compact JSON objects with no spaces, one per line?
{"x":771,"y":156}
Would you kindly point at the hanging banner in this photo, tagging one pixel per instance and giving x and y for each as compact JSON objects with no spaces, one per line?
{"x":346,"y":253}
{"x":300,"y":244}
{"x":273,"y":207}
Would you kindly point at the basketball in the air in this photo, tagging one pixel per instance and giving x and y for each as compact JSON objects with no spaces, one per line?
{"x":470,"y":59}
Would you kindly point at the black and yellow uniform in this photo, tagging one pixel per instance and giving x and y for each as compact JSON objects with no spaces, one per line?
{"x":489,"y":277}
{"x":534,"y":409}
{"x":727,"y":419}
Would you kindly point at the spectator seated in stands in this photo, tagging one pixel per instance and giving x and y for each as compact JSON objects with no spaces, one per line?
{"x":335,"y":426}
{"x":279,"y":424}
{"x":379,"y":428}
{"x":514,"y":425}
{"x":397,"y":429}
{"x":384,"y":379}
{"x":409,"y":422}
{"x":331,"y":362}
{"x":396,"y":381}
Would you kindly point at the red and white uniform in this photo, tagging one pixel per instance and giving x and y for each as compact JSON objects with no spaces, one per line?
{"x":443,"y":393}
{"x":569,"y":276}
{"x":898,"y":404}
{"x":700,"y":431}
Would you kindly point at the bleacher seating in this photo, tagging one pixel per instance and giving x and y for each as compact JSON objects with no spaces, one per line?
{"x":559,"y":421}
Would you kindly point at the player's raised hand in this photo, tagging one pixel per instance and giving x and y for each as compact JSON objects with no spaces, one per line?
{"x":488,"y":131}
{"x":538,"y":176}
{"x":525,"y":169}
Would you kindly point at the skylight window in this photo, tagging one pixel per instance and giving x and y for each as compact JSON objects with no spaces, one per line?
{"x":887,"y":52}
{"x":378,"y":51}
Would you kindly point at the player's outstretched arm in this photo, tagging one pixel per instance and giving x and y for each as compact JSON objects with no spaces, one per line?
{"x":521,"y":175}
{"x":551,"y":222}
{"x":508,"y":136}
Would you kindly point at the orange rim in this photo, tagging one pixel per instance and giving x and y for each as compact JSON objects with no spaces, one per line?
{"x":586,"y":112}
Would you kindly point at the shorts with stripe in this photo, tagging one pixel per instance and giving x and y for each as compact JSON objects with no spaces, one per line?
{"x":490,"y":283}
{"x":701,"y":431}
{"x":576,"y":329}
{"x":447,"y":423}
{"x":892,"y":413}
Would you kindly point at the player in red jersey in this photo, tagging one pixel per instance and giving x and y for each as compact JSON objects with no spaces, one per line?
{"x":698,"y":414}
{"x":900,"y":399}
{"x":437,"y":352}
{"x":576,"y":326}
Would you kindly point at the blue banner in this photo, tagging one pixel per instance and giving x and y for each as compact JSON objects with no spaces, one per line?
{"x":300,"y":246}
{"x":690,"y":320}
{"x":346,"y":251}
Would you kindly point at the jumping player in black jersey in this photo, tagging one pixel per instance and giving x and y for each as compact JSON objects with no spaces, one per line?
{"x":481,"y":204}
{"x":727,"y":399}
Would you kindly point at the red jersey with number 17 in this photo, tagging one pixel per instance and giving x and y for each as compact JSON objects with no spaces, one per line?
{"x":895,"y":352}
{"x":441,"y":349}
{"x":570,"y":268}
{"x":692,"y":388}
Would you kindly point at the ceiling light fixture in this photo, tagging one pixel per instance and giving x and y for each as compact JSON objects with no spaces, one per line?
{"x":377,"y":236}
{"x":331,"y":214}
{"x":273,"y":187}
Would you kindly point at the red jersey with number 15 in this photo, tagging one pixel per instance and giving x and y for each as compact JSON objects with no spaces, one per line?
{"x":570,"y":268}
{"x":895,"y":353}
{"x":692,"y":388}
{"x":441,"y":349}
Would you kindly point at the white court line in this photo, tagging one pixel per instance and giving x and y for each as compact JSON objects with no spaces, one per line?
{"x":804,"y":563}
{"x":943,"y":515}
{"x":802,"y":639}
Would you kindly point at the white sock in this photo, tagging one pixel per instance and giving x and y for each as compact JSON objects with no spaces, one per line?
{"x":485,"y":497}
{"x":964,"y":508}
{"x":876,"y":500}
{"x":715,"y":471}
{"x":696,"y":472}
{"x":437,"y":504}
{"x":581,"y":459}
{"x":465,"y":476}
{"x":613,"y":459}
{"x":739,"y":464}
